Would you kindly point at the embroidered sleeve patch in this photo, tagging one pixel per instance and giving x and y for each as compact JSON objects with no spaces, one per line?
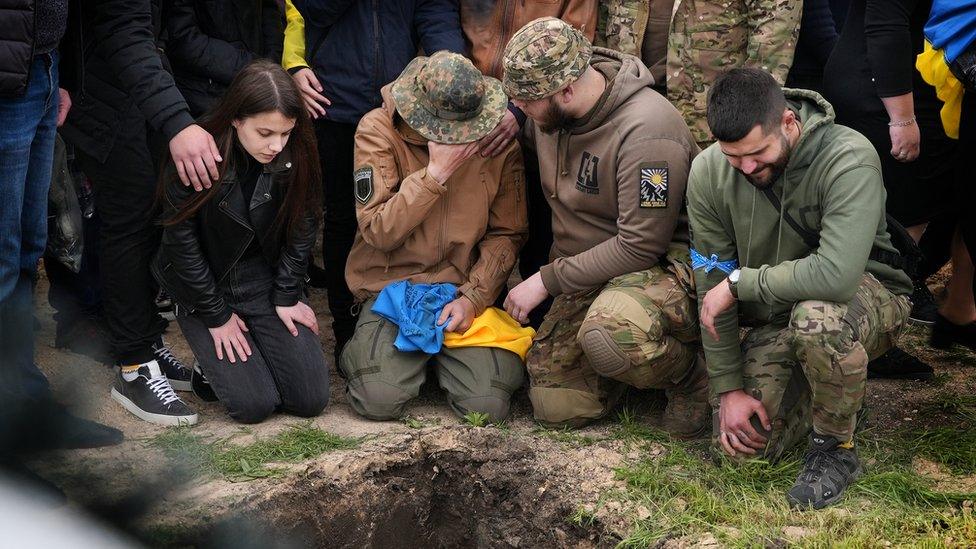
{"x":654,"y":185}
{"x":364,"y":184}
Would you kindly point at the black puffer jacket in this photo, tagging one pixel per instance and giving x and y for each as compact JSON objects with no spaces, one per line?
{"x":112,"y":62}
{"x":16,"y":45}
{"x":208,"y":41}
{"x":198,"y":253}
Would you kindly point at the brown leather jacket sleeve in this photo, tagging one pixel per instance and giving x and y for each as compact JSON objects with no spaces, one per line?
{"x":396,"y":207}
{"x":582,"y":14}
{"x":507,"y":230}
{"x":643,"y":234}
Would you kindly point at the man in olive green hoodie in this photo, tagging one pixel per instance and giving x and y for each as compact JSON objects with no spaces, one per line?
{"x":789,"y":239}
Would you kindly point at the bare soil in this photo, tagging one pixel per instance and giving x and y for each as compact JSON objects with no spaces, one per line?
{"x":444,"y":485}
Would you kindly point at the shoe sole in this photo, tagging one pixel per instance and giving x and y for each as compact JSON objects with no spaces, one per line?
{"x":158,"y":419}
{"x":829,"y":501}
{"x":178,"y":385}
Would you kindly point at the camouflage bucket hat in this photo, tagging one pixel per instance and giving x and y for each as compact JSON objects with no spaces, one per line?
{"x":447,"y":100}
{"x":543,"y":57}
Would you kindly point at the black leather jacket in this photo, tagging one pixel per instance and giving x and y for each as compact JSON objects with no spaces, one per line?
{"x":197,"y":254}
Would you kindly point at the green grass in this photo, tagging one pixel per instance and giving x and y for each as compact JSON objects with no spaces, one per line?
{"x":222,"y":459}
{"x":476,"y":419}
{"x":744,"y":505}
{"x":565,"y":435}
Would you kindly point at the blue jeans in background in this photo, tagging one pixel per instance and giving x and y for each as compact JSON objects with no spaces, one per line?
{"x":27,"y":131}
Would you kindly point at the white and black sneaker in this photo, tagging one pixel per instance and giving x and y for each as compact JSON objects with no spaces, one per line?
{"x":179,"y":375}
{"x":147,"y":394}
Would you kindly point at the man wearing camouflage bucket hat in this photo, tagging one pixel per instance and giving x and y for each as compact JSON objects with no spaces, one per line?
{"x":430,"y":210}
{"x":614,"y":157}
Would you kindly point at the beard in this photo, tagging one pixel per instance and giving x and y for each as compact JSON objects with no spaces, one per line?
{"x":773,"y":171}
{"x":555,"y":119}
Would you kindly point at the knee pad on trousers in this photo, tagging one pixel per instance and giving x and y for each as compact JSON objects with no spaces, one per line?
{"x":605,"y":356}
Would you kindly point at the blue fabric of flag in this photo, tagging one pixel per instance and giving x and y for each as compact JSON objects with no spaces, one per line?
{"x":414,"y":308}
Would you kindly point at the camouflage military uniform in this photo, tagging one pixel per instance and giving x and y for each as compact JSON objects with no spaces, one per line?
{"x":641,"y":329}
{"x":711,"y":36}
{"x":622,"y":24}
{"x":824,"y":350}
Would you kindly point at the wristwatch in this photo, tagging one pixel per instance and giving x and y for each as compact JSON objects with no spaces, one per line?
{"x":734,"y":283}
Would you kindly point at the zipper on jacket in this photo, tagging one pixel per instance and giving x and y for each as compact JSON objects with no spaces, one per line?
{"x":507,"y":20}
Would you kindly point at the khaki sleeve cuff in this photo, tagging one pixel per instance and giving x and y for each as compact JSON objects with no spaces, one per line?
{"x":748,"y":286}
{"x":549,"y":280}
{"x":468,"y":290}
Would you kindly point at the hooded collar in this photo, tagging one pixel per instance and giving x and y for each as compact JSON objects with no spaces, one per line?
{"x":625,"y":74}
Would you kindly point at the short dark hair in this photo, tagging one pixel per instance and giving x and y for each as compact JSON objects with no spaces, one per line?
{"x":742,"y":98}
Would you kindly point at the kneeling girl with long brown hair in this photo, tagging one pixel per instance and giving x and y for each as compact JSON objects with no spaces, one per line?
{"x":234,"y":256}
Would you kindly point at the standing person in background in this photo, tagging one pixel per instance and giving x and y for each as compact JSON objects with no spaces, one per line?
{"x":639,"y":28}
{"x":488,"y":25}
{"x":126,"y":109}
{"x":871,"y":81}
{"x":340,"y":53}
{"x":818,"y":35}
{"x":208,"y":42}
{"x":949,"y":64}
{"x":31,"y":107}
{"x":711,"y":36}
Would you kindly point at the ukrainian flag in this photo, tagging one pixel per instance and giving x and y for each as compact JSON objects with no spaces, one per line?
{"x":951,"y":29}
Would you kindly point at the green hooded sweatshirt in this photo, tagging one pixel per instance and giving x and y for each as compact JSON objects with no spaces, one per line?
{"x":832,"y":186}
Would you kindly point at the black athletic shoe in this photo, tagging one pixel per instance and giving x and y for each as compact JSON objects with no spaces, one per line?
{"x":924,"y":308}
{"x":179,"y":375}
{"x":945,"y":334}
{"x":897,"y":364}
{"x":201,"y":387}
{"x":151,"y":398}
{"x":827,"y":472}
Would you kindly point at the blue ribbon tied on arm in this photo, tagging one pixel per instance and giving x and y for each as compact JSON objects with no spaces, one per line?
{"x":698,"y":261}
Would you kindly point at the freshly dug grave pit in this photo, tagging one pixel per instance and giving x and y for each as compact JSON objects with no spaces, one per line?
{"x":453,"y":487}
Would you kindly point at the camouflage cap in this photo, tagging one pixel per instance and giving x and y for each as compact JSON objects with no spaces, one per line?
{"x":447,"y":100}
{"x":544,"y":57}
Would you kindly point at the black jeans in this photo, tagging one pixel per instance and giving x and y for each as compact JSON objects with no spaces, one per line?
{"x":284,"y":372}
{"x":336,"y":143}
{"x":125,"y":191}
{"x":535,"y":253}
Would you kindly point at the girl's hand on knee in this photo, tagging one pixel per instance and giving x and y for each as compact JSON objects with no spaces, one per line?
{"x":300,"y":313}
{"x":229,"y":339}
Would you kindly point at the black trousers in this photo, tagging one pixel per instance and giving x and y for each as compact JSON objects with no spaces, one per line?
{"x":966,"y":190}
{"x":285,"y":372}
{"x":125,"y":187}
{"x":336,"y":142}
{"x":535,"y":253}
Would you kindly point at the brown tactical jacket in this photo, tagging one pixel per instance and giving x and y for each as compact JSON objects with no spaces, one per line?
{"x":467,"y":231}
{"x":489,"y":24}
{"x":616,"y":181}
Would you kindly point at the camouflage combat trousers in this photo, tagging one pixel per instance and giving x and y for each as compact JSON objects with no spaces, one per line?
{"x":813,"y":371}
{"x":641,"y":329}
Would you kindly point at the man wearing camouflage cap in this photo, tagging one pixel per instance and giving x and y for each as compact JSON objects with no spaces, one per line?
{"x":614,"y":156}
{"x":430,"y":210}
